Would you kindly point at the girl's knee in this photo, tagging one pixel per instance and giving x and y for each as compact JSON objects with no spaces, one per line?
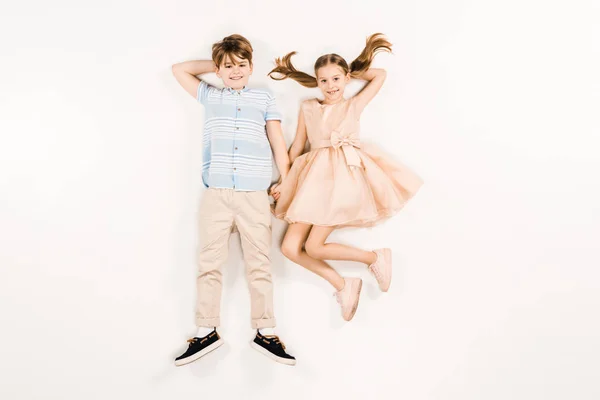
{"x":314,"y":249}
{"x":290,"y":250}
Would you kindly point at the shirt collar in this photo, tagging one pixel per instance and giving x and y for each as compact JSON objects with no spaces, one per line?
{"x":244,"y":89}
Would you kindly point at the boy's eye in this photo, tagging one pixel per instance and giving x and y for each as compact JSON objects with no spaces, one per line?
{"x":335,"y":79}
{"x":322,"y":80}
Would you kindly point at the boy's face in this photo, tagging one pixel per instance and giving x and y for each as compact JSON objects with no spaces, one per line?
{"x":234,"y":72}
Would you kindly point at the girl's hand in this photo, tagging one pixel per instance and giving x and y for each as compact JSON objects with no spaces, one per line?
{"x":275,"y":192}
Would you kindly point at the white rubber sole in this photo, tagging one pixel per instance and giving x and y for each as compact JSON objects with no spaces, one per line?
{"x":387,"y":255}
{"x":199,"y":354}
{"x":356,"y":286}
{"x":272,"y":356}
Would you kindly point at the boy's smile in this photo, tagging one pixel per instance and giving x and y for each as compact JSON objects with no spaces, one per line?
{"x":234,"y":72}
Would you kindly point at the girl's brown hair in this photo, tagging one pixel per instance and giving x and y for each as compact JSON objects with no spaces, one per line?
{"x":375,"y":43}
{"x":232,"y":45}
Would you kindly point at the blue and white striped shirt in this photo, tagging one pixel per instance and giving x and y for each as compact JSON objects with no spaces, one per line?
{"x":237,"y":153}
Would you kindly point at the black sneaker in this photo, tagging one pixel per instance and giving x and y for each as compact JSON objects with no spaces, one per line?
{"x":199,"y":347}
{"x":272,"y":347}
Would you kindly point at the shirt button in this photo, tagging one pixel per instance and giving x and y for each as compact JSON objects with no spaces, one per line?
{"x":234,"y":169}
{"x":237,"y":128}
{"x":236,"y":148}
{"x":239,"y":109}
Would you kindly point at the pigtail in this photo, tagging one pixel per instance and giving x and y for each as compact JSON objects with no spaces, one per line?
{"x":375,"y":43}
{"x":286,"y":70}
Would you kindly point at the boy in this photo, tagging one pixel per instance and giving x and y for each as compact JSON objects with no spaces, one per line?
{"x":237,"y":172}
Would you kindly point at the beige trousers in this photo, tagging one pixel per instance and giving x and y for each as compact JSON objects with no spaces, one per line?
{"x":249,"y":212}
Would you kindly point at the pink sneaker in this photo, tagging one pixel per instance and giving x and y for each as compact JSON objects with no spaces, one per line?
{"x":382,"y":268}
{"x":348,"y":297}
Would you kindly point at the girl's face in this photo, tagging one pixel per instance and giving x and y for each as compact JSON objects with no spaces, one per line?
{"x":332,"y":82}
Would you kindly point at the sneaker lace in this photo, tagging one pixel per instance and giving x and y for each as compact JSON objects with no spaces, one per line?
{"x":276,"y":340}
{"x":375,"y":271}
{"x":338,"y":297}
{"x":192,"y":340}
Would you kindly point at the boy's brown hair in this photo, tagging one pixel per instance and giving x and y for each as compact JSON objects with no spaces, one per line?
{"x":232,"y":45}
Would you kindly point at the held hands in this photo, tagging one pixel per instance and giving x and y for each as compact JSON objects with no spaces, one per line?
{"x":275,"y":190}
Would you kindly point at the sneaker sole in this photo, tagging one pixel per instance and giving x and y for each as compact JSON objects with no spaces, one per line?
{"x":272,"y":356}
{"x":201,"y":353}
{"x":387,"y":255}
{"x":355,"y":305}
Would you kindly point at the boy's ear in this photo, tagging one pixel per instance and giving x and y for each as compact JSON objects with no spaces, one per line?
{"x":217,"y":71}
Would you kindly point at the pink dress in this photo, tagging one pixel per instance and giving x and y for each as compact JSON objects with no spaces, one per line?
{"x":342,"y":182}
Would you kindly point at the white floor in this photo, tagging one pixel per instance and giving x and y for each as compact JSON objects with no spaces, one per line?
{"x":495,"y":290}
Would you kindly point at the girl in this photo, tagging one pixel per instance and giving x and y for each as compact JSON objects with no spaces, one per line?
{"x":339,"y":182}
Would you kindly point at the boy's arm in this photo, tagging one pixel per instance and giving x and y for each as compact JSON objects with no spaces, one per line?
{"x":186,"y":72}
{"x":275,"y":135}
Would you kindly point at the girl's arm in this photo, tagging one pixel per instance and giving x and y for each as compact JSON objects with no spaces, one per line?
{"x":186,"y":72}
{"x":297,"y":147}
{"x":278,"y":146}
{"x":375,"y":78}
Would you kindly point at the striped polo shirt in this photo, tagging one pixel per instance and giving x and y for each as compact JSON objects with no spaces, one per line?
{"x":236,"y":151}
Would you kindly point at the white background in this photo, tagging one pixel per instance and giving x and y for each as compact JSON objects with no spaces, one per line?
{"x":495,"y":293}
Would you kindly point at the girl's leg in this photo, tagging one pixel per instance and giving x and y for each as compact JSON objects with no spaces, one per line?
{"x":293,"y":241}
{"x":318,"y":249}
